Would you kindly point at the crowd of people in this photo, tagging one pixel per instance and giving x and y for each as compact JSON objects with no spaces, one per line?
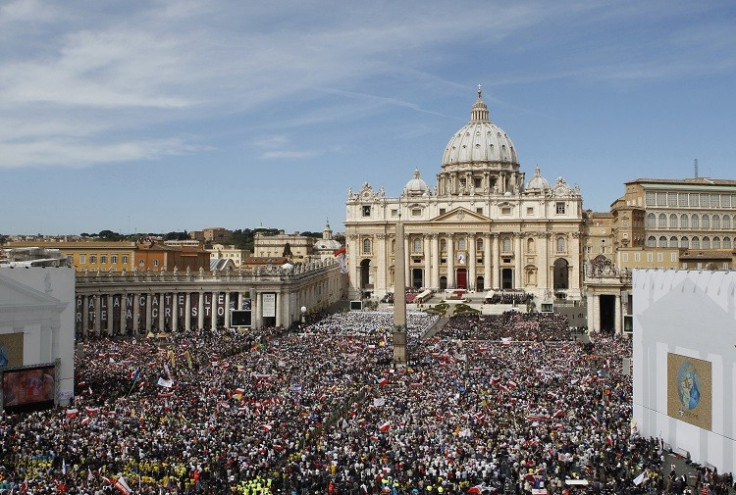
{"x":509,"y":405}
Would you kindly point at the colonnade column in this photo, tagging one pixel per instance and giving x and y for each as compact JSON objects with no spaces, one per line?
{"x":495,"y":259}
{"x":450,"y":262}
{"x":136,"y":314}
{"x":161,"y":313}
{"x":227,"y":309}
{"x":407,"y":268}
{"x":85,"y":315}
{"x":544,"y":261}
{"x":110,"y":316}
{"x":124,"y":314}
{"x":175,"y":313}
{"x":213,"y":309}
{"x":188,"y":312}
{"x":98,"y":323}
{"x":149,"y":312}
{"x":472,"y":262}
{"x":618,"y":329}
{"x":200,"y":311}
{"x":427,"y":261}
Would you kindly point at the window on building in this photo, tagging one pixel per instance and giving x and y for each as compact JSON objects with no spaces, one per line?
{"x":366,"y":246}
{"x":416,"y":212}
{"x":651,"y":241}
{"x":650,"y":257}
{"x":716,"y":242}
{"x":650,"y":198}
{"x":588,"y":249}
{"x":477,"y":183}
{"x":114,"y":259}
{"x":637,"y":257}
{"x":125,"y":260}
{"x":394,"y":213}
{"x":103,"y":259}
{"x":662,"y":221}
{"x":506,"y":245}
{"x":673,"y":242}
{"x":695,"y":222}
{"x":685,"y":242}
{"x":366,"y":210}
{"x":682,"y":199}
{"x":92,"y":259}
{"x":695,"y":242}
{"x":560,"y":208}
{"x":673,"y":257}
{"x":694,"y":200}
{"x":726,"y":221}
{"x":560,"y":244}
{"x":663,"y":242}
{"x":461,"y":244}
{"x":716,"y":222}
{"x":506,"y":210}
{"x":155,"y":262}
{"x":715,"y":201}
{"x":660,"y":257}
{"x":705,"y":221}
{"x":706,"y":242}
{"x":672,"y":199}
{"x":684,"y":221}
{"x":443,"y":211}
{"x":625,"y":257}
{"x":417,"y":245}
{"x":726,"y":243}
{"x":479,"y":244}
{"x":673,"y":221}
{"x":651,"y":220}
{"x":82,"y":259}
{"x":443,"y":245}
{"x":530,"y":211}
{"x":530,"y":247}
{"x":142,"y":263}
{"x":479,"y":211}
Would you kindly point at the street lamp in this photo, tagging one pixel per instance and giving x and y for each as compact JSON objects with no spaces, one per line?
{"x":304,"y":312}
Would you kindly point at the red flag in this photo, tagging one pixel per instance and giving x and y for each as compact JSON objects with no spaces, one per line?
{"x":385,"y":427}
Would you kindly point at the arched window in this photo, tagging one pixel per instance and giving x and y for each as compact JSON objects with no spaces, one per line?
{"x":662,"y":241}
{"x":716,"y":242}
{"x":673,"y":221}
{"x":716,"y":221}
{"x":695,"y":222}
{"x":479,"y":244}
{"x":560,"y":244}
{"x":706,"y":222}
{"x":726,"y":221}
{"x":417,"y":247}
{"x":530,"y":245}
{"x":726,"y":243}
{"x":706,"y":242}
{"x":685,"y":242}
{"x":461,"y":244}
{"x":366,"y":246}
{"x":662,"y":221}
{"x":651,"y":220}
{"x":506,"y":245}
{"x":652,"y":241}
{"x":684,"y":223}
{"x":695,"y":243}
{"x":673,"y":242}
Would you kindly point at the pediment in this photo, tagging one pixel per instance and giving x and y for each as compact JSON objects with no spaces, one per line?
{"x":16,"y":294}
{"x":459,"y":215}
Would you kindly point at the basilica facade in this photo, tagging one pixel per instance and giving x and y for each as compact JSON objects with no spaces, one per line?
{"x":481,"y":227}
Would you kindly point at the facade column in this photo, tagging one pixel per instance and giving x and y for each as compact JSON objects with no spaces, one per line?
{"x":381,"y":251}
{"x":487,"y":260}
{"x":200,"y":311}
{"x":544,"y":262}
{"x":450,"y":262}
{"x":227,"y":309}
{"x":278,"y":310}
{"x":574,"y":281}
{"x":98,"y":311}
{"x":517,"y":261}
{"x":436,"y":259}
{"x":407,"y":265}
{"x":258,"y":320}
{"x":426,"y":245}
{"x":494,"y":261}
{"x":472,"y":262}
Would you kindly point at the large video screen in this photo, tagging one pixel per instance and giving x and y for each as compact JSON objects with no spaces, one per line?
{"x":240,"y":318}
{"x":29,"y":389}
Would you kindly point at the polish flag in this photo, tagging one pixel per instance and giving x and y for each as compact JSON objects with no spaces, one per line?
{"x":511,"y":384}
{"x":72,"y":413}
{"x":385,"y":427}
{"x":383,"y":382}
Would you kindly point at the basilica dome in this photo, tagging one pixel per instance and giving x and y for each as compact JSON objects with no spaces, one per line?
{"x":479,"y":141}
{"x":538,"y":182}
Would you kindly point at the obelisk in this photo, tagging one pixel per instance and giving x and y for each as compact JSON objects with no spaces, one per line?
{"x":399,"y":335}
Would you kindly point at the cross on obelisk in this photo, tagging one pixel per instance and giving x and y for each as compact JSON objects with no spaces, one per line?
{"x":399,"y":335}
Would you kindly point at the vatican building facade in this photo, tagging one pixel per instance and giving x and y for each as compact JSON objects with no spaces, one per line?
{"x":483,"y":226}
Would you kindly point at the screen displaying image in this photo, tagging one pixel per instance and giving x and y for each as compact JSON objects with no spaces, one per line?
{"x":29,"y":388}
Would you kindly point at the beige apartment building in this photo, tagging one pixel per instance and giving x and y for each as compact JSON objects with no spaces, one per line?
{"x":300,"y":248}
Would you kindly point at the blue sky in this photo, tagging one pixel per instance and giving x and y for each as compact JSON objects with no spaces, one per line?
{"x":158,"y":116}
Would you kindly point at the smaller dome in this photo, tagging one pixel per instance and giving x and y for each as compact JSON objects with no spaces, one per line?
{"x":416,"y":186}
{"x":538,"y":182}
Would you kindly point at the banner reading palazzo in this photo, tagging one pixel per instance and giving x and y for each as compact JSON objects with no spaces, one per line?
{"x":689,"y":390}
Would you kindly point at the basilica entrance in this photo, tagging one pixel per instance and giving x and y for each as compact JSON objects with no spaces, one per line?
{"x":462,"y":278}
{"x":507,"y":278}
{"x":417,"y":278}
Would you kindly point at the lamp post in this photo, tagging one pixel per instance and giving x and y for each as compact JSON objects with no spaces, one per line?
{"x":304,"y":313}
